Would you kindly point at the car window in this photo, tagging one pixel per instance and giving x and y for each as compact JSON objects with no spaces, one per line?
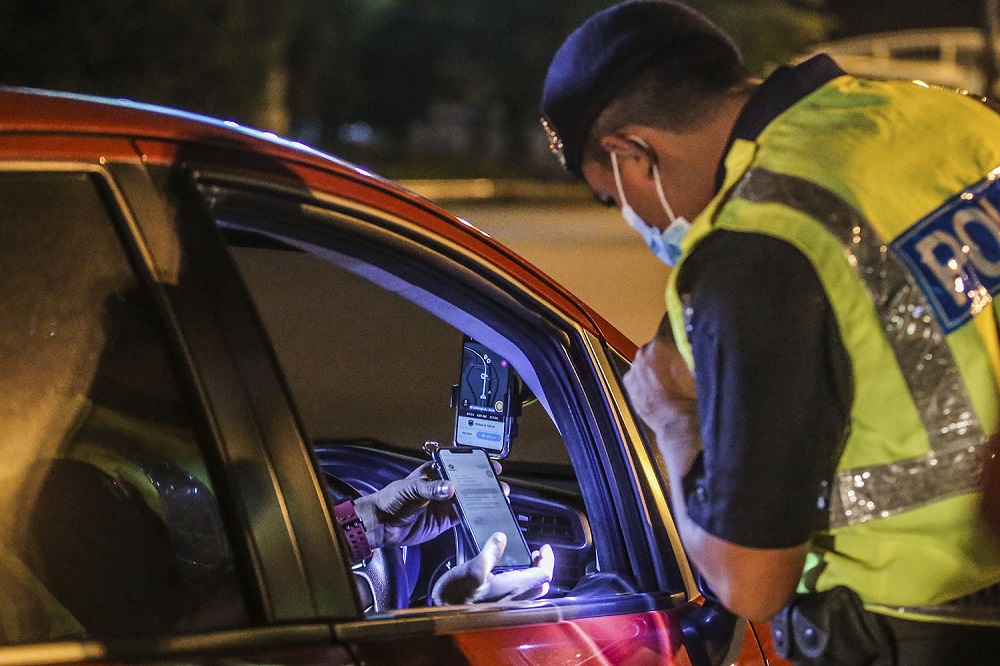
{"x":370,"y":344}
{"x":108,"y":524}
{"x":364,"y":363}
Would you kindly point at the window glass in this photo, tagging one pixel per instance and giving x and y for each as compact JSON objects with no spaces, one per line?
{"x":108,"y":525}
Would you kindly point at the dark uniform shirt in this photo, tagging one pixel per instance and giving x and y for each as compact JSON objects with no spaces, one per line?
{"x":773,"y":377}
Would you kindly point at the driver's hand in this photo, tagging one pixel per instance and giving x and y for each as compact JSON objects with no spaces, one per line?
{"x":473,"y":581}
{"x":413,"y":510}
{"x":409,"y":511}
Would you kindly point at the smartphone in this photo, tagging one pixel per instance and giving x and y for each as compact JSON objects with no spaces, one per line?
{"x":484,"y":400}
{"x":482,"y":506}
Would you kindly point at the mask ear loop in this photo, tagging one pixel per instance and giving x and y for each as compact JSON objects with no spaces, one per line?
{"x":618,"y":179}
{"x":656,"y":174}
{"x":663,"y":197}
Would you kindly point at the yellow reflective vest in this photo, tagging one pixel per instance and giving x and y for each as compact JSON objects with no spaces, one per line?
{"x":888,"y":189}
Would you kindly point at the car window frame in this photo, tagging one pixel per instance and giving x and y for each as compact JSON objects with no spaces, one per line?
{"x":372,"y":223}
{"x":288,"y":551}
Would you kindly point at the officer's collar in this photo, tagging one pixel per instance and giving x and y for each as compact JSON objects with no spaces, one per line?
{"x":783,"y":88}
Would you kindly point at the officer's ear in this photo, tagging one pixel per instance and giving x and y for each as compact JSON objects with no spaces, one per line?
{"x":630,"y":147}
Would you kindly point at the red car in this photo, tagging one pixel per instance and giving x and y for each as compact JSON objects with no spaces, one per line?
{"x":206,"y":328}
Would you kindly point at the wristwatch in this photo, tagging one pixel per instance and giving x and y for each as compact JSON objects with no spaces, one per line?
{"x":354,"y":531}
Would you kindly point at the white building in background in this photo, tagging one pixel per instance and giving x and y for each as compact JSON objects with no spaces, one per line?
{"x":949,"y":57}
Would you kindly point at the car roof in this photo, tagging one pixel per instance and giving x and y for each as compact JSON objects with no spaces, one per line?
{"x":33,"y":111}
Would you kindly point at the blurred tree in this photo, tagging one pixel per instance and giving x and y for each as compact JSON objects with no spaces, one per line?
{"x":204,"y":55}
{"x":770,"y":32}
{"x":326,"y":84}
{"x":488,"y":55}
{"x":491,"y":55}
{"x":860,"y":17}
{"x":308,"y":67}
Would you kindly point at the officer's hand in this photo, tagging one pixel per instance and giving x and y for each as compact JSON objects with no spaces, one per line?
{"x":660,"y":385}
{"x":473,"y":581}
{"x":409,"y":511}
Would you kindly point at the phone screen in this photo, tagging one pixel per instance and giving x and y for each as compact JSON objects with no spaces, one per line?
{"x":483,"y":405}
{"x":482,"y":504}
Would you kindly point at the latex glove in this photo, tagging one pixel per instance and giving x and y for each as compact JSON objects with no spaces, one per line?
{"x":409,"y":511}
{"x":473,"y":581}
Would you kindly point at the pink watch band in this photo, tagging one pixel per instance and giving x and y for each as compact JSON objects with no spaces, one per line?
{"x":354,"y":531}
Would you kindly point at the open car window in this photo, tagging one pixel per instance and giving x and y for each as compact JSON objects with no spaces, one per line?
{"x":365,"y":363}
{"x":368,"y":328}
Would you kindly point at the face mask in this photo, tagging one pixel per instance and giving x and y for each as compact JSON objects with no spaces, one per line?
{"x":666,"y":244}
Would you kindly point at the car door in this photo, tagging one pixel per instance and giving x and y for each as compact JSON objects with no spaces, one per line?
{"x":134,"y":484}
{"x":363,"y":305}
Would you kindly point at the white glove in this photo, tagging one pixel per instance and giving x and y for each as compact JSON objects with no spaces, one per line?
{"x":473,"y":581}
{"x":409,"y":511}
{"x":412,"y":510}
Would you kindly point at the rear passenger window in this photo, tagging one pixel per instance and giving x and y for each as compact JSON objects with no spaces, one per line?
{"x":108,"y":521}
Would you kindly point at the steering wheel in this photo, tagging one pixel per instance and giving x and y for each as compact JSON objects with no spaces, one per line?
{"x":382,"y":580}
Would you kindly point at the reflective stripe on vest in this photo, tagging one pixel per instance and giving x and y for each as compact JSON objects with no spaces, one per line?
{"x":953,"y":465}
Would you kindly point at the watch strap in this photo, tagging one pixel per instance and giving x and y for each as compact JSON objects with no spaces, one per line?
{"x":354,"y":531}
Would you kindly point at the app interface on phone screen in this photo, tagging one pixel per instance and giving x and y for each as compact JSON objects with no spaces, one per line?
{"x":482,"y":406}
{"x":484,"y":507}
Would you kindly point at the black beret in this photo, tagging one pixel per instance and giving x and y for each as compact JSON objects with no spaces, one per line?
{"x":604,"y":53}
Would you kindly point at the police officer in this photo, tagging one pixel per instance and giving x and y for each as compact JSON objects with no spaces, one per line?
{"x":825,"y":385}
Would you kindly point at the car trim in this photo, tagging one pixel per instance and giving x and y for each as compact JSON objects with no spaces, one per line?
{"x":451,"y":619}
{"x":397,"y":232}
{"x":531,"y":281}
{"x":643,"y":468}
{"x":228,"y":642}
{"x":294,"y":587}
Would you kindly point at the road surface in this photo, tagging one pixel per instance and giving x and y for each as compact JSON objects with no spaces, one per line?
{"x":587,"y":248}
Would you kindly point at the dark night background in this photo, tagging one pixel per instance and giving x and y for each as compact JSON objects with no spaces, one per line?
{"x":864,"y":16}
{"x":407,"y":87}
